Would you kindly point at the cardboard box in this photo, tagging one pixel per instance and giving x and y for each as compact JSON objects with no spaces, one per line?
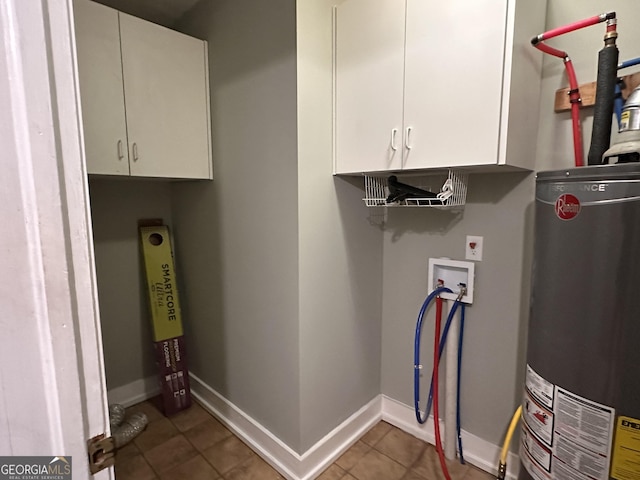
{"x":174,"y":374}
{"x":164,"y":303}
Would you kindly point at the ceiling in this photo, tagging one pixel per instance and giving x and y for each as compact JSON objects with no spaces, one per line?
{"x":163,"y":12}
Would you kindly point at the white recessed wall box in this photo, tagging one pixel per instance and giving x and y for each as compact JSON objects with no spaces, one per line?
{"x":452,"y":273}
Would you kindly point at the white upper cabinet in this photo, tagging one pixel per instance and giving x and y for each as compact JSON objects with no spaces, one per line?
{"x":453,"y":81}
{"x":369,"y":89}
{"x":101,"y":88}
{"x":464,"y":92}
{"x":158,"y":126}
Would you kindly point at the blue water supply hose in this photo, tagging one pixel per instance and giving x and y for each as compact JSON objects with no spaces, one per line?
{"x":417,"y":366}
{"x":458,"y":421}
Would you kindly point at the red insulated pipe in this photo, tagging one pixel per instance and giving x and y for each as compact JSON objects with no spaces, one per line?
{"x":551,"y":51}
{"x":574,"y":98}
{"x":436,"y":417}
{"x":572,"y":27}
{"x":574,"y":93}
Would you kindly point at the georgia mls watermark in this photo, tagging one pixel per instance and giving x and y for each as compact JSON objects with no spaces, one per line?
{"x":35,"y":468}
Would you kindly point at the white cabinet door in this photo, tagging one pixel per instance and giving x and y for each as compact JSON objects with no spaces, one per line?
{"x":100,"y":74}
{"x":453,"y":82}
{"x":165,"y":84}
{"x":369,"y":85}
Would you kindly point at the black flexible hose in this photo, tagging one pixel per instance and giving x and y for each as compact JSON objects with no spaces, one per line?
{"x":605,"y":95}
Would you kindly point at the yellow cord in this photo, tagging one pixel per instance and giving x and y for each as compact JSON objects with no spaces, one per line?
{"x":507,"y":439}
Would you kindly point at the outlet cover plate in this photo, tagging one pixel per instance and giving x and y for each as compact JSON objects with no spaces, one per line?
{"x":473,"y":248}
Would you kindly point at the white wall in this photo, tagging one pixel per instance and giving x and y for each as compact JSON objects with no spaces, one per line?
{"x":51,"y":382}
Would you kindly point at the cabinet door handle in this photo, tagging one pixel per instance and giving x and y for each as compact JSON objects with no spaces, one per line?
{"x":394,"y":147}
{"x":408,"y":138}
{"x":135,"y":152}
{"x":120,"y":152}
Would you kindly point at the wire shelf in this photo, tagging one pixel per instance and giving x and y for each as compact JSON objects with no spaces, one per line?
{"x":449,"y":191}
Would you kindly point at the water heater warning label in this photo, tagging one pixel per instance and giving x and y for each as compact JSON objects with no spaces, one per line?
{"x":584,"y":423}
{"x":538,"y":419}
{"x":566,"y":436}
{"x":539,"y":388}
{"x":538,"y":451}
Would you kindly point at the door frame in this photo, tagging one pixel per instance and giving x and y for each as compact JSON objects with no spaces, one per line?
{"x":52,"y":380}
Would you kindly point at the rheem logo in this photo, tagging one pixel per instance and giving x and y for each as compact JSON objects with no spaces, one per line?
{"x":567,"y":206}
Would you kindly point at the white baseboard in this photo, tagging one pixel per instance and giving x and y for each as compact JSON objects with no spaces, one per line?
{"x":290,"y":464}
{"x":477,"y":451}
{"x":306,"y":466}
{"x":134,"y":392}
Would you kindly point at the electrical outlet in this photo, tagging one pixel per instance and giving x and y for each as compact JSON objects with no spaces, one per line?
{"x":474,"y":248}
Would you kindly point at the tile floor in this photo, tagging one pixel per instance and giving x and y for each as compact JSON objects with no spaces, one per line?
{"x":193,"y":445}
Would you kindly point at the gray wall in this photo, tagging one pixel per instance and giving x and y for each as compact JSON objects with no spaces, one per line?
{"x":340,"y":253}
{"x":116,"y":207}
{"x":236,"y":237}
{"x":499,"y":209}
{"x":284,"y":304}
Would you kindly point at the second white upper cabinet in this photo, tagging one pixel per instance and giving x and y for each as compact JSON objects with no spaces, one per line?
{"x":166,"y":98}
{"x":464,"y":93}
{"x":145,"y":96}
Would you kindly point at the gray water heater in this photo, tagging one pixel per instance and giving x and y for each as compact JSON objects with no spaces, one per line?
{"x":581,"y":402}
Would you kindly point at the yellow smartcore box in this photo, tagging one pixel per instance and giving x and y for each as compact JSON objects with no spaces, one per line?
{"x":168,"y":335}
{"x":161,"y":283}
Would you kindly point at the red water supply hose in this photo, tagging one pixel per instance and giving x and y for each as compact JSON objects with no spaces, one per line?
{"x":574,"y":92}
{"x":436,"y":359}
